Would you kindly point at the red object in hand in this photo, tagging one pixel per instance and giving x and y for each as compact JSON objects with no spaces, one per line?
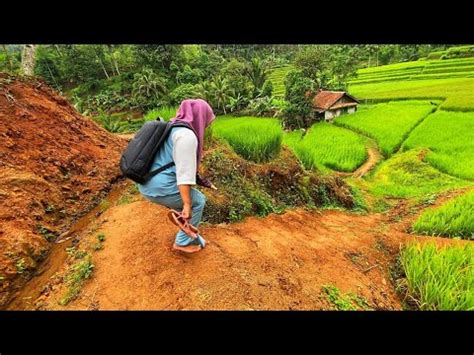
{"x":183,"y":224}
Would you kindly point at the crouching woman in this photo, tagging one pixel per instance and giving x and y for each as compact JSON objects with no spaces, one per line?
{"x":172,"y":188}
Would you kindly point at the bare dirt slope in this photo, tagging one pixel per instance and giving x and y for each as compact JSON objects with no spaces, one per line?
{"x":54,"y":164}
{"x":278,"y":262}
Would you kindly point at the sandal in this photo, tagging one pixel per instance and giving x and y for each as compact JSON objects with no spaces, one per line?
{"x":176,"y":218}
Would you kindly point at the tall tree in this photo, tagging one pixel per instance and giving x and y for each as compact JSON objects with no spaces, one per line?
{"x":113,"y":59}
{"x":99,"y":54}
{"x":28,"y":59}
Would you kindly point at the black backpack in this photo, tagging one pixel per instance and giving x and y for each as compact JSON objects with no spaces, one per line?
{"x":137,"y":159}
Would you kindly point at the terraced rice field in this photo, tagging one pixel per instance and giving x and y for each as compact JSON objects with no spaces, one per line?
{"x":454,"y":219}
{"x":426,"y":108}
{"x":254,"y":138}
{"x":388,"y":123}
{"x":450,"y":137}
{"x":328,"y":146}
{"x":406,"y":175}
{"x":451,"y":80}
{"x":277,"y":77}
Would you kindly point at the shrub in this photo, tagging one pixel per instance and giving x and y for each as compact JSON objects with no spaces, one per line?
{"x":267,"y":89}
{"x":263,"y":106}
{"x":182,"y":92}
{"x":189,"y":76}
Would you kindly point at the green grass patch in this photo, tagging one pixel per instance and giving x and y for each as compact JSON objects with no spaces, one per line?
{"x":450,"y":137}
{"x":104,"y":205}
{"x":48,"y":234}
{"x":75,"y":253}
{"x":455,"y":218}
{"x":449,"y":69}
{"x":74,"y":279}
{"x":406,"y":175}
{"x":392,"y":67}
{"x":101,"y":237}
{"x":329,"y":146}
{"x":344,"y":302}
{"x":438,"y":278}
{"x":253,"y":138}
{"x":20,"y":265}
{"x":124,"y":199}
{"x":165,"y":112}
{"x":388,"y":123}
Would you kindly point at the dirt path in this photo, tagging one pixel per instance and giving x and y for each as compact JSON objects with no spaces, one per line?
{"x":280,"y":262}
{"x":372,"y":160}
{"x":369,"y":164}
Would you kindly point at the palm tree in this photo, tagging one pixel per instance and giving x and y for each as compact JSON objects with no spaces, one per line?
{"x":220,"y":89}
{"x":257,"y":73}
{"x":206,"y":89}
{"x":148,"y":85}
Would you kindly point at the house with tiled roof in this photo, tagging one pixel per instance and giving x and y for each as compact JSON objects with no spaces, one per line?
{"x":331,"y":104}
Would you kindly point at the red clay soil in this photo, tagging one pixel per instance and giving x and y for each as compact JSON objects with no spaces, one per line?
{"x":278,"y":262}
{"x":54,"y":163}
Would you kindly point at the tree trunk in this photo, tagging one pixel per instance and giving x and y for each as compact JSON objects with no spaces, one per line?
{"x":114,"y":61}
{"x":28,"y":59}
{"x":102,"y":65}
{"x":52,"y":76}
{"x":10,"y":64}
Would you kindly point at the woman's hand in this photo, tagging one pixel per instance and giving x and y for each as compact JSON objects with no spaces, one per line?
{"x":187,"y":212}
{"x":185,"y":191}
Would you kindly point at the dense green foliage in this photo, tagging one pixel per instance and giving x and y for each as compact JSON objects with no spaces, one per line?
{"x":299,"y":92}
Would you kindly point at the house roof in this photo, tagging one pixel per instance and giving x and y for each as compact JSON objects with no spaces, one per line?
{"x":323,"y":100}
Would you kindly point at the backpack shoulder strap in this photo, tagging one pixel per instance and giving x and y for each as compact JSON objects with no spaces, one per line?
{"x":165,"y":135}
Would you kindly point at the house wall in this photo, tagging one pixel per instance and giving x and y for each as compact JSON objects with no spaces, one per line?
{"x":329,"y":115}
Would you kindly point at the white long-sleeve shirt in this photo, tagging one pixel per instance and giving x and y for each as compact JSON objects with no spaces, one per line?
{"x":185,"y":146}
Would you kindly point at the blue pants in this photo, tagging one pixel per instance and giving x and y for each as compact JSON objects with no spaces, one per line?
{"x":175,"y":202}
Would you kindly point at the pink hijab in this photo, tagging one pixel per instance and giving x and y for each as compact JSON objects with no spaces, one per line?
{"x":198,"y":115}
